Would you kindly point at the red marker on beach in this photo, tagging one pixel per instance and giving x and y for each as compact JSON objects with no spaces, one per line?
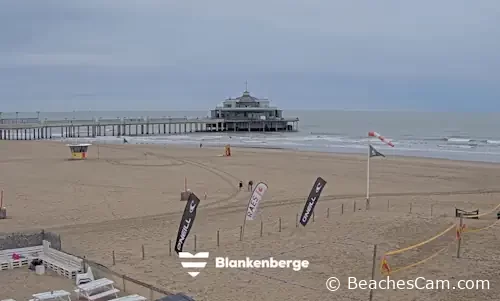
{"x":375,"y":134}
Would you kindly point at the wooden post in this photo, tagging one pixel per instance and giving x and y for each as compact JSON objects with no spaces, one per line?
{"x":113,"y":254}
{"x":367,"y":204}
{"x":328,"y":212}
{"x":195,"y":243}
{"x":410,"y":207}
{"x":218,"y":238}
{"x":432,"y":208}
{"x":459,"y":243}
{"x":373,"y":268}
{"x":279,"y":224}
{"x":342,"y":209}
{"x":241,"y":233}
{"x":388,"y":205}
{"x":297,"y":220}
{"x":142,"y":249}
{"x":3,"y":211}
{"x":123,"y":281}
{"x":354,"y":207}
{"x":169,"y":247}
{"x":261,"y":228}
{"x":85,"y":264}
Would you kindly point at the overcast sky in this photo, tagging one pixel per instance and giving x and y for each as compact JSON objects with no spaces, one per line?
{"x":61,"y":55}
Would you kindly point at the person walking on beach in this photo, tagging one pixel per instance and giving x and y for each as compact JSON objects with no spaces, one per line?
{"x":250,"y":185}
{"x":241,"y":185}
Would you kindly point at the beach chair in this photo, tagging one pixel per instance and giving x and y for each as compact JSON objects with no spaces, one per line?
{"x":97,"y":289}
{"x":85,"y":277}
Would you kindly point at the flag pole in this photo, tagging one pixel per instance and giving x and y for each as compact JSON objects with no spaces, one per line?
{"x":243,"y":226}
{"x":245,"y":218}
{"x":368,"y":178}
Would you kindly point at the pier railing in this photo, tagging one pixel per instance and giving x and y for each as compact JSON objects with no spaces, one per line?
{"x":120,"y":126}
{"x":33,"y":122}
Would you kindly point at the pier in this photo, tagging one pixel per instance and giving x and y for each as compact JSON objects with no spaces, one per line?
{"x":35,"y":129}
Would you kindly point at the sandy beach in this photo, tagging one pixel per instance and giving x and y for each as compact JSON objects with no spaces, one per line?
{"x":127,"y":196}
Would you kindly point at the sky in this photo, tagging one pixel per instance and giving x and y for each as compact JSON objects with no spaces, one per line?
{"x":60,"y":55}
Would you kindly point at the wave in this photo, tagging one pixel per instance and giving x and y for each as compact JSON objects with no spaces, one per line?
{"x":325,"y":143}
{"x":325,"y":134}
{"x":457,"y":146}
{"x":459,"y":140}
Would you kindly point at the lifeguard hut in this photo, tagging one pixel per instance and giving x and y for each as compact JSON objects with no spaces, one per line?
{"x":227,"y":151}
{"x":79,"y":151}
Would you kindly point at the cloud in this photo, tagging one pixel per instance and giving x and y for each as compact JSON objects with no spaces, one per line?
{"x":357,"y":41}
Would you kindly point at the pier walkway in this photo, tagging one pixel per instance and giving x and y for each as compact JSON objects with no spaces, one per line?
{"x":35,"y":129}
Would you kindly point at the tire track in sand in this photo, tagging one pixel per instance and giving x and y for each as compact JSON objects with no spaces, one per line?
{"x":234,"y":208}
{"x":226,"y":177}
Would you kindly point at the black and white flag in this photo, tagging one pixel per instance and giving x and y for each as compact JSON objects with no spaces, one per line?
{"x":375,"y":153}
{"x":187,"y":221}
{"x":311,"y":201}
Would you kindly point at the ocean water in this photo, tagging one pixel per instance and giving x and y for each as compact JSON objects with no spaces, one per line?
{"x":457,"y":136}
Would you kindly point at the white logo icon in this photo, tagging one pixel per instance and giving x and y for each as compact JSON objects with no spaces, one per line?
{"x":193,"y":264}
{"x":192,"y":206}
{"x":318,"y":187}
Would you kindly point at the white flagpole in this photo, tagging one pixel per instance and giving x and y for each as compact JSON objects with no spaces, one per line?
{"x":368,"y":178}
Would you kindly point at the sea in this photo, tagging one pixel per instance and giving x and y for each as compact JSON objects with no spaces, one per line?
{"x":455,"y":136}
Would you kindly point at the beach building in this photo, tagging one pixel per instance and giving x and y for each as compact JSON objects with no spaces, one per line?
{"x":252,"y":114}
